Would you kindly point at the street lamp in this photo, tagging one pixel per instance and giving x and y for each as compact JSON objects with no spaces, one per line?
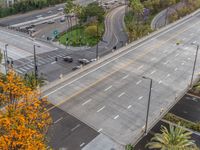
{"x":195,"y":60}
{"x":35,"y":63}
{"x":6,"y":58}
{"x":148,"y":106}
{"x":97,"y":46}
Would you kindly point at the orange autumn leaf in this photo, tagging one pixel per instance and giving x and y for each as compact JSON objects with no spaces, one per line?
{"x":23,"y":123}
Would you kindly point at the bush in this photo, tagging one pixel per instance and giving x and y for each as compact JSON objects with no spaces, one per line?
{"x":183,"y":122}
{"x":129,"y":147}
{"x":91,"y":30}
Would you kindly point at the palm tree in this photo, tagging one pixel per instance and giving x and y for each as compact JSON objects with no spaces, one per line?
{"x":175,"y":138}
{"x":32,"y":82}
{"x":69,"y":9}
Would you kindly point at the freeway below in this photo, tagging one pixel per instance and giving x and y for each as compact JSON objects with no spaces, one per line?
{"x":50,"y":11}
{"x":111,"y":95}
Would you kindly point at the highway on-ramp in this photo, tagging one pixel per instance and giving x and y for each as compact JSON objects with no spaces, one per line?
{"x":111,"y":96}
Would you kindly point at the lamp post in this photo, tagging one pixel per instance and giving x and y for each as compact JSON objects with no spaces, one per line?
{"x":148,"y":106}
{"x":35,"y":61}
{"x":6,"y":58}
{"x":195,"y":60}
{"x":97,"y":46}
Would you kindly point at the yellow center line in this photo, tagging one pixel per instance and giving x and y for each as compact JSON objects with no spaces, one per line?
{"x":123,"y":66}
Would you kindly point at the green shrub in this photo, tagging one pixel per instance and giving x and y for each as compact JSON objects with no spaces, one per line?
{"x":129,"y":147}
{"x":183,"y":122}
{"x":91,"y":30}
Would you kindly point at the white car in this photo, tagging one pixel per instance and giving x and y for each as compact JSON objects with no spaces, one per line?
{"x":39,"y":16}
{"x":60,"y":9}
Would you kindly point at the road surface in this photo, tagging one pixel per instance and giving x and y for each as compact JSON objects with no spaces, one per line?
{"x":66,"y":132}
{"x":111,"y":96}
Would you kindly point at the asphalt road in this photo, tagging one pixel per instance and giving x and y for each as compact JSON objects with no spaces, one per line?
{"x":112,"y":96}
{"x":190,"y":108}
{"x":67,"y":132}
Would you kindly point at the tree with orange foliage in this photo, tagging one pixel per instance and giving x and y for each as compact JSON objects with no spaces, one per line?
{"x":23,"y":120}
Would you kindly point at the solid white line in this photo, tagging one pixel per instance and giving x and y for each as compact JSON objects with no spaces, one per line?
{"x":140,"y":67}
{"x":129,"y":106}
{"x":82,"y":144}
{"x":108,"y":88}
{"x":125,"y":77}
{"x":139,"y":82}
{"x":89,"y":100}
{"x":58,"y":120}
{"x":120,"y":95}
{"x":74,"y":128}
{"x":116,"y":117}
{"x":115,"y":58}
{"x":100,"y":130}
{"x":101,"y":109}
{"x":140,"y":97}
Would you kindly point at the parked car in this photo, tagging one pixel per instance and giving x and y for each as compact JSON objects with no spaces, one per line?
{"x":76,"y":67}
{"x":51,"y":22}
{"x":83,"y":61}
{"x":62,"y":19}
{"x":49,"y":12}
{"x":94,"y":59}
{"x":60,"y":9}
{"x":68,"y":59}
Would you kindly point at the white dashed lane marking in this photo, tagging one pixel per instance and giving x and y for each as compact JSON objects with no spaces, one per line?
{"x":140,"y":97}
{"x":108,"y":88}
{"x":116,"y":117}
{"x":139,"y":82}
{"x":101,"y":109}
{"x":89,"y":100}
{"x":120,"y":95}
{"x":129,"y":106}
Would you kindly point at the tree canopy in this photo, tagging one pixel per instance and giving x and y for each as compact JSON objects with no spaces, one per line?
{"x":23,"y":123}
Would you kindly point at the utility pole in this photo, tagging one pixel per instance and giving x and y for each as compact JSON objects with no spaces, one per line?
{"x":148,"y":105}
{"x":6,"y":58}
{"x":97,"y":46}
{"x":194,"y":66}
